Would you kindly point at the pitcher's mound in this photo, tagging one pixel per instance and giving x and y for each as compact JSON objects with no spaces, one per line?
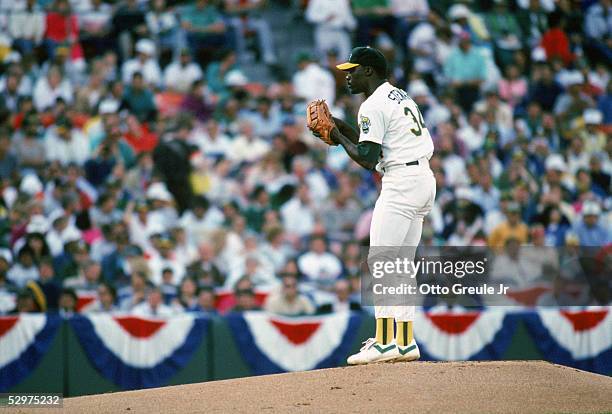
{"x":445,"y":387}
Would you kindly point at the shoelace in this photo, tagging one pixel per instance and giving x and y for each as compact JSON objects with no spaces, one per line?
{"x":368,"y":343}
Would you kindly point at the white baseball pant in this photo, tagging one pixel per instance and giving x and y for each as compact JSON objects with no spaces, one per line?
{"x":406,"y":197}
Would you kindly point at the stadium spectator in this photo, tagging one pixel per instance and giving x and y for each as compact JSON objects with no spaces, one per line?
{"x":504,"y":29}
{"x":245,"y":296}
{"x":24,"y":269}
{"x":180,"y":75}
{"x":154,"y":306}
{"x":276,"y":249}
{"x":343,"y":301}
{"x":88,"y":280}
{"x":288,"y":301}
{"x":247,"y":147}
{"x":372,"y":17}
{"x":545,"y":89}
{"x":318,"y":264}
{"x":533,"y":22}
{"x":128,"y":25}
{"x":27,"y":144}
{"x":311,"y":81}
{"x":144,"y":63}
{"x":187,"y":296}
{"x":204,"y":26}
{"x":105,"y":301}
{"x":172,"y":160}
{"x":167,"y":286}
{"x":48,"y":89}
{"x":463,"y":19}
{"x":8,"y":161}
{"x":66,"y":144}
{"x":206,"y":300}
{"x":48,"y":283}
{"x":163,"y":25}
{"x":465,"y":71}
{"x":555,"y":41}
{"x":423,"y":47}
{"x":68,"y":301}
{"x":513,"y":267}
{"x":163,"y":257}
{"x":198,"y":102}
{"x":11,"y":94}
{"x":334,"y":22}
{"x":135,"y":293}
{"x":407,"y":15}
{"x":139,"y":100}
{"x":244,"y":18}
{"x":118,"y":254}
{"x":512,"y":88}
{"x":341,"y":211}
{"x":62,"y":29}
{"x":513,"y":228}
{"x":31,"y":299}
{"x":95,"y":24}
{"x":8,"y":290}
{"x":297,"y":214}
{"x":591,"y":230}
{"x":27,"y":27}
{"x":266,"y":118}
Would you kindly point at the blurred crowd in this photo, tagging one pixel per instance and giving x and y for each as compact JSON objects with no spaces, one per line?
{"x":142,"y":168}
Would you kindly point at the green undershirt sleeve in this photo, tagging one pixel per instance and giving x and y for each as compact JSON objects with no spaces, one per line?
{"x":369,"y":151}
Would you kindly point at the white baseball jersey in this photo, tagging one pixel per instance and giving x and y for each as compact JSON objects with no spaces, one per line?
{"x":389,"y":117}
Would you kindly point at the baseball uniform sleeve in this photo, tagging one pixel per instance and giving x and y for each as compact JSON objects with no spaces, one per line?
{"x":371,"y":125}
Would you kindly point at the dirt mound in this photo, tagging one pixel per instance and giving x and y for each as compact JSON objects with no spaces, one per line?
{"x":467,"y":387}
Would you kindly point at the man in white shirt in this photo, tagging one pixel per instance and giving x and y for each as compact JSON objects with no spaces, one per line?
{"x":27,"y":27}
{"x":66,"y":144}
{"x":319,"y":265}
{"x":312,"y":82}
{"x":297,"y":214}
{"x":145,"y":63}
{"x":213,"y":143}
{"x":407,"y":15}
{"x":201,"y":220}
{"x":154,"y":306}
{"x":288,"y":301}
{"x":422,"y":45}
{"x":333,"y":20}
{"x":473,"y":134}
{"x":48,"y":88}
{"x":164,"y":257}
{"x":248,"y":147}
{"x":180,"y":75}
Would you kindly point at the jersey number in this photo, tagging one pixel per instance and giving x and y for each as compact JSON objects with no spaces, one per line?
{"x":420,"y":123}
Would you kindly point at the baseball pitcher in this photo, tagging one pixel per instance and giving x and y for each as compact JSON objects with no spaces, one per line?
{"x":394,"y":141}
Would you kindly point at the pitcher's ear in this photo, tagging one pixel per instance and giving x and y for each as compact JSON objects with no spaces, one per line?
{"x":368,"y":70}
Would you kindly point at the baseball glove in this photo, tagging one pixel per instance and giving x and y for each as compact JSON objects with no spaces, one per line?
{"x":319,"y":120}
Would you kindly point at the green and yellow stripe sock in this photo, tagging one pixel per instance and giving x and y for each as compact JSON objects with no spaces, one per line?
{"x":384,"y":330}
{"x":404,"y":333}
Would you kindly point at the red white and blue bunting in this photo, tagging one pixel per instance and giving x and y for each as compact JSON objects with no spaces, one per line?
{"x":577,"y":338}
{"x":24,"y":340}
{"x":135,"y":352}
{"x":446,"y":336}
{"x":271,"y":344}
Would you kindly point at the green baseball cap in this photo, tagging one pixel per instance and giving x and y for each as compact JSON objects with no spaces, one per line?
{"x":365,"y":56}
